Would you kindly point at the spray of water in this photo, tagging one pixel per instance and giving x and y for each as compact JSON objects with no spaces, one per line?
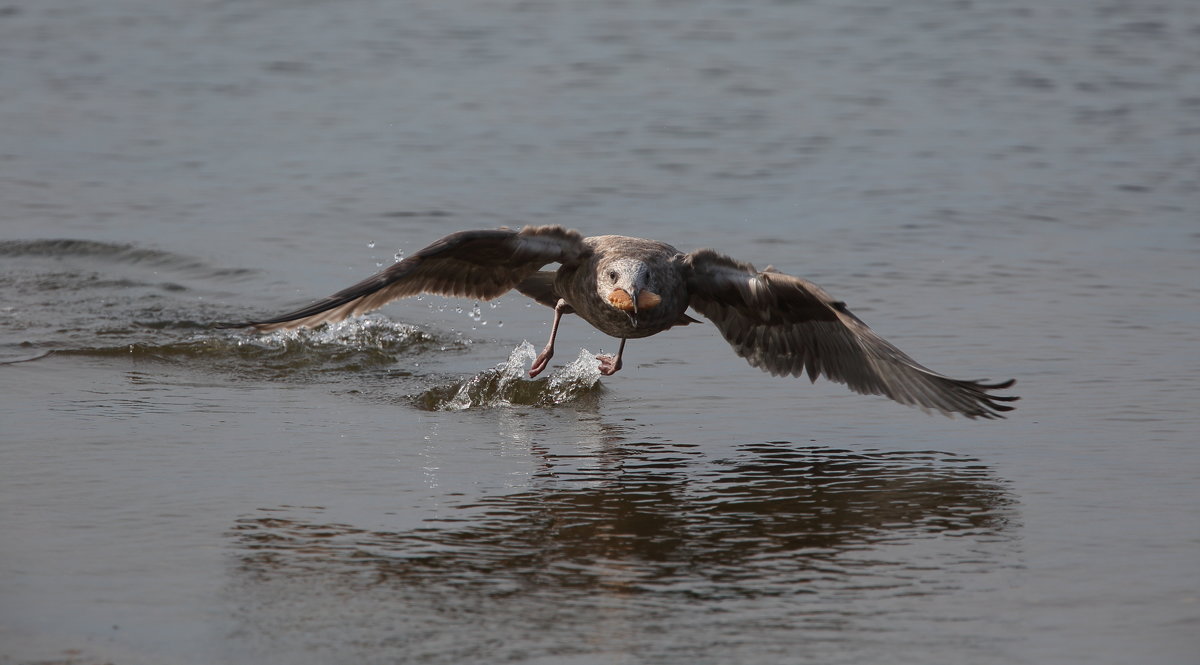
{"x":508,"y":384}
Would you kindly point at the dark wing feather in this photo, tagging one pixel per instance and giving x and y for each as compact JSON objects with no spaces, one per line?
{"x":468,"y":264}
{"x":540,"y":287}
{"x":786,"y":325}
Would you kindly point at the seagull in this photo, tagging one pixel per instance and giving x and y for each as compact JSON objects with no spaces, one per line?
{"x":631,"y":288}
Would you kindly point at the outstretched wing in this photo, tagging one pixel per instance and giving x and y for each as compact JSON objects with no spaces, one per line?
{"x":468,"y":264}
{"x":786,"y":325}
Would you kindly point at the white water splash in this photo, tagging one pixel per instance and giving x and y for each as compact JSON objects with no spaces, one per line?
{"x":581,"y":374}
{"x":356,"y":333}
{"x":509,"y":383}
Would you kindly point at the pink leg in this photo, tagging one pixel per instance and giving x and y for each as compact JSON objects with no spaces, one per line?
{"x":610,"y":364}
{"x":543,"y":359}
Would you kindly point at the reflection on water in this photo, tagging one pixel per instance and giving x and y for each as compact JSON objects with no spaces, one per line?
{"x":641,"y":529}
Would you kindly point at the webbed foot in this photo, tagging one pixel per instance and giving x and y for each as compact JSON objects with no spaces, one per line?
{"x":609,"y":364}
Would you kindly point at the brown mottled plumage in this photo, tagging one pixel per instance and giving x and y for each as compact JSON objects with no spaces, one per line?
{"x":631,"y":287}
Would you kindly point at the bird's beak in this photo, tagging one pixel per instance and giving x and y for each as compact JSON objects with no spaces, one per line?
{"x":647,"y":299}
{"x":632,"y":303}
{"x":621,"y":299}
{"x":626,"y":302}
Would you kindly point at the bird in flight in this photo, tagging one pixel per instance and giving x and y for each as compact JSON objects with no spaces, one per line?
{"x":632,"y":287}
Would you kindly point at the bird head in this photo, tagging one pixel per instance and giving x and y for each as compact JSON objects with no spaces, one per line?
{"x":625,"y":284}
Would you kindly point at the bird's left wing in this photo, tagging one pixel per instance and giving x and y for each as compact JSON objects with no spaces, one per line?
{"x":469,"y":264}
{"x":786,"y":325}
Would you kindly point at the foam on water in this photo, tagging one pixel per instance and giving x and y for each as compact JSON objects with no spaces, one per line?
{"x":369,"y":332}
{"x":342,"y":351}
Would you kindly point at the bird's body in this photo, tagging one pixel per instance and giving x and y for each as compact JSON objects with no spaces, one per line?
{"x":649,"y":265}
{"x":631,"y":288}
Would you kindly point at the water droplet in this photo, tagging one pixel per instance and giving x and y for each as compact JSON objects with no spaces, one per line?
{"x":399,"y":255}
{"x":476,"y":313}
{"x":499,"y":324}
{"x":371,"y":245}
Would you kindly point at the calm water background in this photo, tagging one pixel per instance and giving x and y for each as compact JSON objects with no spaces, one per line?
{"x":1004,"y":189}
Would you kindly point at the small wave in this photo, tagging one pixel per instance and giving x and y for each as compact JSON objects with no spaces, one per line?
{"x":120,"y":253}
{"x":507,"y":385}
{"x":72,"y":294}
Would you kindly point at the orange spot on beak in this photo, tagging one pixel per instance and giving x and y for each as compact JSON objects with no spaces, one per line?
{"x":620,"y":299}
{"x":648,"y":300}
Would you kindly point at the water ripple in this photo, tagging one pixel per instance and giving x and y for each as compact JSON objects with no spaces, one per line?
{"x":115,"y":253}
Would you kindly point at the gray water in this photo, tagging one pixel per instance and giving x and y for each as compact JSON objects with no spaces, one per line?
{"x":1003,"y":189}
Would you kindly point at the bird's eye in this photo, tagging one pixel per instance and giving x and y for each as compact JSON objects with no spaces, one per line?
{"x":612,"y":274}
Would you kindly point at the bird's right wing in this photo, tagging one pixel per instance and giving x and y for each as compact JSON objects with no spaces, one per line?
{"x":468,"y":264}
{"x":786,"y":325}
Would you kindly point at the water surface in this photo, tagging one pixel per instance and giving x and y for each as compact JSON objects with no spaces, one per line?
{"x":1002,"y":189}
